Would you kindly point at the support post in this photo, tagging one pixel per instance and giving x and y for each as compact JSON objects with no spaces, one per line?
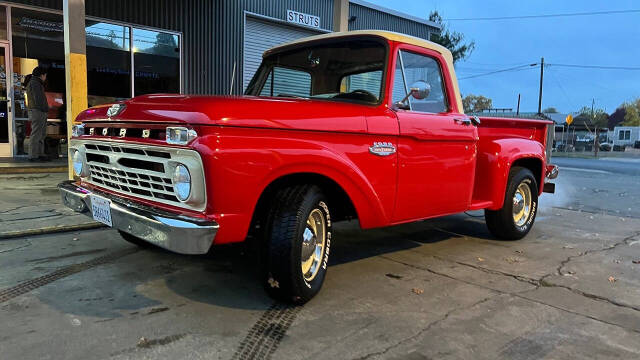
{"x":518,"y":111}
{"x":340,"y":15}
{"x":75,"y":63}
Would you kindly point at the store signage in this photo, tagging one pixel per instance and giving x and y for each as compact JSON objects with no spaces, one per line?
{"x":303,"y":19}
{"x":42,"y":25}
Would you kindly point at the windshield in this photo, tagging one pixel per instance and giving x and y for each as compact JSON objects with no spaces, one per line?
{"x":348,"y":70}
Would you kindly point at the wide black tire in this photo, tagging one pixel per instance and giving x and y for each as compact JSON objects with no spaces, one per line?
{"x":286,"y":222}
{"x":135,"y":240}
{"x":501,"y":222}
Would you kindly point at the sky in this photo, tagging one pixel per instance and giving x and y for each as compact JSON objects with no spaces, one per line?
{"x":602,"y":40}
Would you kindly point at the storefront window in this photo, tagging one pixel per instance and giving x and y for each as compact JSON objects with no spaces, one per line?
{"x":3,"y":23}
{"x":108,"y":62}
{"x":37,"y":39}
{"x":156,"y":62}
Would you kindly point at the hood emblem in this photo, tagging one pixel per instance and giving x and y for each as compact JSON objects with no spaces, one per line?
{"x":382,"y":148}
{"x":114,"y":110}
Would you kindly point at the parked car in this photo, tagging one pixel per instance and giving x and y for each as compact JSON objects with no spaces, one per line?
{"x":363,"y":125}
{"x":605,"y":146}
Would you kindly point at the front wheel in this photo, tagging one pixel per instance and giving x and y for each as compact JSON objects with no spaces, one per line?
{"x":297,"y":241}
{"x":519,"y":209}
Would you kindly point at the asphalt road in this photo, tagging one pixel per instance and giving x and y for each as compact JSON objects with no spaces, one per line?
{"x":627,"y":166}
{"x":437,"y":289}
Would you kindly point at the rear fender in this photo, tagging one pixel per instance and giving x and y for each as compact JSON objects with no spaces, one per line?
{"x":501,"y":154}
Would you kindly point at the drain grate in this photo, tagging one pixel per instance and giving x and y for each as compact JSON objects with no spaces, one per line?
{"x":265,"y":335}
{"x":29,"y":285}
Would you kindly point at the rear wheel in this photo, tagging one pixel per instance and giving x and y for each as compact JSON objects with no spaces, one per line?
{"x":297,"y":241}
{"x":519,"y":209}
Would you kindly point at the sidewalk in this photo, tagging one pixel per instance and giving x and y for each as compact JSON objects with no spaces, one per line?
{"x":24,"y":166}
{"x":30,"y":204}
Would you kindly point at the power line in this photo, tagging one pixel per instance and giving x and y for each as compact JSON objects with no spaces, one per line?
{"x":515,"y":68}
{"x":597,"y":67}
{"x":547,"y":15}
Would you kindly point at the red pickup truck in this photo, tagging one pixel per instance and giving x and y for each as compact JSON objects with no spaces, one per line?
{"x":363,"y":125}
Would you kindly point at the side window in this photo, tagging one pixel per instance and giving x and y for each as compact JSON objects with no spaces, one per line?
{"x":285,"y":82}
{"x":413,"y":67}
{"x":368,"y":81}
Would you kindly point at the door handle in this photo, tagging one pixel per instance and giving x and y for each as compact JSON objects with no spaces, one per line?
{"x":463,"y":121}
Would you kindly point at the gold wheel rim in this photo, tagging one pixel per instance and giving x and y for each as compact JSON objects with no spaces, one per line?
{"x":314,"y":238}
{"x":521,"y":204}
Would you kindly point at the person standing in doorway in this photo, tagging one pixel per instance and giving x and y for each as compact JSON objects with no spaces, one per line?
{"x":38,"y":109}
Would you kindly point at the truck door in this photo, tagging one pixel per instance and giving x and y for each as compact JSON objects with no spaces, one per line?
{"x":436,"y":146}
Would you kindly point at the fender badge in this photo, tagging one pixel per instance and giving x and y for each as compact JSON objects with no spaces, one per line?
{"x":382,"y":148}
{"x":114,"y":110}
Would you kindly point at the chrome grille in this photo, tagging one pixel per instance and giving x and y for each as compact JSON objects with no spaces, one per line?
{"x":140,"y":170}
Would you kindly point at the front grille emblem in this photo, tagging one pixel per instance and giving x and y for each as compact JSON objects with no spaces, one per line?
{"x":92,"y":131}
{"x":114,"y":110}
{"x":146,"y":133}
{"x":123,"y":132}
{"x":105,"y":131}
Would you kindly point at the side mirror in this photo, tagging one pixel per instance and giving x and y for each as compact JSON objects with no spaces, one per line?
{"x":419,"y":90}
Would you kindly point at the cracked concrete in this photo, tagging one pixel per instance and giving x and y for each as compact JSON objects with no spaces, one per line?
{"x":547,"y":296}
{"x":30,"y":204}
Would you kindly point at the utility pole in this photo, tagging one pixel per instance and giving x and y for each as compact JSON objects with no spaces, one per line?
{"x":541,"y":77}
{"x":518,"y":111}
{"x":595,"y":131}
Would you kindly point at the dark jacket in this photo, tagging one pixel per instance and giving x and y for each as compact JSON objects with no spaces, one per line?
{"x":36,"y":96}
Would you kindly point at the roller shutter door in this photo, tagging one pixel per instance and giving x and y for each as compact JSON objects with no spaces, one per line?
{"x":259,"y":36}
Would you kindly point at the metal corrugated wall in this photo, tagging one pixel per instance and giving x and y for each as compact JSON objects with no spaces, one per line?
{"x":194,"y":18}
{"x":231,"y":25}
{"x":367,"y":18}
{"x":213,"y":30}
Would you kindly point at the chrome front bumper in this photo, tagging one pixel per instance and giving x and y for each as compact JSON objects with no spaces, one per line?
{"x":177,"y":233}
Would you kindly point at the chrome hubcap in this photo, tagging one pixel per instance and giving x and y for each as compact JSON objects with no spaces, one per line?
{"x":313,"y":242}
{"x":521,"y":204}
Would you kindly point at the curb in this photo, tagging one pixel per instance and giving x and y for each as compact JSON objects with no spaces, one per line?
{"x":33,"y":170}
{"x":49,"y":230}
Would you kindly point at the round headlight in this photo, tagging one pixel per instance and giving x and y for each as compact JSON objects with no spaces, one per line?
{"x":78,"y":163}
{"x":182,"y":182}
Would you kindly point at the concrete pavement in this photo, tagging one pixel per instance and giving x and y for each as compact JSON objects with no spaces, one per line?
{"x":442,"y":288}
{"x":30,"y":204}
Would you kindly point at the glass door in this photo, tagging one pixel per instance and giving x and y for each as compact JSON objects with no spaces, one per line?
{"x":6,"y":128}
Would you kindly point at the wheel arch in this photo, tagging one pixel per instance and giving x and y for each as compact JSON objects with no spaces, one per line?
{"x":528,"y":154}
{"x":341,"y":204}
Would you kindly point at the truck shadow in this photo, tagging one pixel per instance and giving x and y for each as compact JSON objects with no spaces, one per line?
{"x":230,"y":275}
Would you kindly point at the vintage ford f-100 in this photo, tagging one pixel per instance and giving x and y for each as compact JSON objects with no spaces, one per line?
{"x":364,"y":125}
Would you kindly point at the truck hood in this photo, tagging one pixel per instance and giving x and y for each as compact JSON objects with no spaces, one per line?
{"x":241,"y":111}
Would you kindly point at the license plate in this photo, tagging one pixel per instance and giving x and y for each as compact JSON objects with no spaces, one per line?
{"x":101,"y":209}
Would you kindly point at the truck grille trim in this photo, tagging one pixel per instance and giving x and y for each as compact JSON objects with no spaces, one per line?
{"x":142,"y":171}
{"x":136,"y":183}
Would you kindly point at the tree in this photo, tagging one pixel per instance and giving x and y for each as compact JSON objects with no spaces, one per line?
{"x":599,"y":117}
{"x":550,"y":110}
{"x":476,"y":103}
{"x":617,"y":117}
{"x":452,"y":40}
{"x":632,"y":115}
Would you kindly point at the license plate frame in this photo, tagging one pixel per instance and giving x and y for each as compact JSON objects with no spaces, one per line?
{"x":101,"y":209}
